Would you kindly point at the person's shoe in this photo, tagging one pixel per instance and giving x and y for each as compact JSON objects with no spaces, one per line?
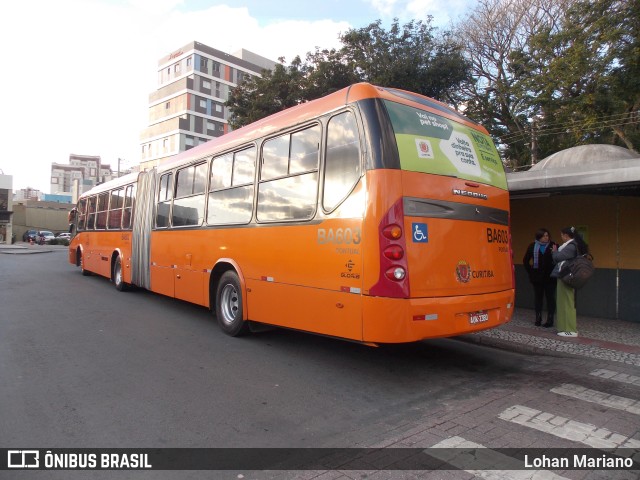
{"x":549,"y":322}
{"x":538,"y":319}
{"x":568,"y":334}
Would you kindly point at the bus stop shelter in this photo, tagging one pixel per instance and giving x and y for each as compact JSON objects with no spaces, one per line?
{"x":595,"y":188}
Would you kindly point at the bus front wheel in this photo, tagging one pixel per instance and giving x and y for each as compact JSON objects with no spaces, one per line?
{"x":229,"y":305}
{"x":83,"y":270}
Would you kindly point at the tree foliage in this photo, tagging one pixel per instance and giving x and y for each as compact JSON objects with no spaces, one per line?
{"x":592,"y":59}
{"x":494,"y":96}
{"x":541,"y":75}
{"x":552,"y":74}
{"x":409,"y":57}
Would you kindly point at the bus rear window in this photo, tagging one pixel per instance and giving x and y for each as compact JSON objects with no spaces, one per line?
{"x":430,"y":143}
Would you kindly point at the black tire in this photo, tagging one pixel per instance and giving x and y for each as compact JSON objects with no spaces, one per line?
{"x":229,"y":305}
{"x":83,"y":271}
{"x":118,"y":282}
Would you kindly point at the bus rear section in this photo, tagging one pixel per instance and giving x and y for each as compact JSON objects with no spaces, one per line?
{"x":438,"y":227}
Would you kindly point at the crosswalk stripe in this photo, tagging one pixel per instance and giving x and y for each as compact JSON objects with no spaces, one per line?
{"x":601,"y":398}
{"x":565,"y":428}
{"x":617,"y":376}
{"x":485,"y":462}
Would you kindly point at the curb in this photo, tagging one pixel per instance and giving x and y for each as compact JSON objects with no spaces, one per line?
{"x":546,"y":343}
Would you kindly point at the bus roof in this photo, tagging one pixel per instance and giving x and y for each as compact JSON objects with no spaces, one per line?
{"x":312,"y":109}
{"x":298,"y":115}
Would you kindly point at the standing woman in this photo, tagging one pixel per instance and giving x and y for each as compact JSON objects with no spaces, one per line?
{"x":538,"y":262}
{"x":572,"y":246}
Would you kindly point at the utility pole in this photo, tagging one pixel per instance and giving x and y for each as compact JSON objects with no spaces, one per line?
{"x":534,"y":143}
{"x":119,"y":160}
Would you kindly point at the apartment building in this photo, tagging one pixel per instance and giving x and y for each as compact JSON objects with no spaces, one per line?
{"x":188,"y":108}
{"x":82,"y":173}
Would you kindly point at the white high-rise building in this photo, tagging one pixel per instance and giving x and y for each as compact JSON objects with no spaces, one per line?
{"x":188,"y":108}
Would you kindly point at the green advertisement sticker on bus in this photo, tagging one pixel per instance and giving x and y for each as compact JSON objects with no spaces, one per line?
{"x":430,"y":143}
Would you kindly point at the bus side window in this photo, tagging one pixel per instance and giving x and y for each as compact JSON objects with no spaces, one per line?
{"x":129,"y":200}
{"x":188,"y":206}
{"x":91,"y":215}
{"x":231,"y":188}
{"x":82,"y":214}
{"x":342,"y":163}
{"x":165,"y":194}
{"x":293,"y":194}
{"x":115,"y":209}
{"x":102,"y":211}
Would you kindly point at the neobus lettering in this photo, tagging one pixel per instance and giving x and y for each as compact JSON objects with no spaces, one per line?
{"x":339,"y":236}
{"x":497,"y":236}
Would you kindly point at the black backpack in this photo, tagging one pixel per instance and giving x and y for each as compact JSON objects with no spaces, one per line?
{"x":577,"y":272}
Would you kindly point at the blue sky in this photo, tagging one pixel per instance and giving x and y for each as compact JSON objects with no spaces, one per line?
{"x":78,"y":73}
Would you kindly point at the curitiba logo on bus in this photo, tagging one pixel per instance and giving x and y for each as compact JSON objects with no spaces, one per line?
{"x":463,"y":271}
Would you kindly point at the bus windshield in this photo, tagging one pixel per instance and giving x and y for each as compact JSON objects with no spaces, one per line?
{"x":431,"y":143}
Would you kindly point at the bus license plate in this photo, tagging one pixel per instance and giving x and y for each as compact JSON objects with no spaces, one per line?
{"x":478,"y":317}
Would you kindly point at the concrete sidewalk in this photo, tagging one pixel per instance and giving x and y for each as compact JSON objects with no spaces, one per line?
{"x":23,"y":248}
{"x":602,"y":338}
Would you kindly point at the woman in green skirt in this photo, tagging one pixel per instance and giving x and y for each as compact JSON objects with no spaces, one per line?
{"x":572,"y":246}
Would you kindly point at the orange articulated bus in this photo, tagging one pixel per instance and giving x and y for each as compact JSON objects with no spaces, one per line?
{"x":372,"y":214}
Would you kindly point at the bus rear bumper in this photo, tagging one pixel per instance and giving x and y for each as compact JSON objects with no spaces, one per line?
{"x":399,"y":320}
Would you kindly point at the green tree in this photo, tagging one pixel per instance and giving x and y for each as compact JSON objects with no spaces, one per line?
{"x":408,"y":57}
{"x":275,"y":90}
{"x":585,"y":77}
{"x":494,"y":96}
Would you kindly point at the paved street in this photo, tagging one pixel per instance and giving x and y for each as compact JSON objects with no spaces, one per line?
{"x":83,"y":365}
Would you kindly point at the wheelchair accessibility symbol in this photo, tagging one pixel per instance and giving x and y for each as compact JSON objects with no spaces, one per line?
{"x":420,"y":233}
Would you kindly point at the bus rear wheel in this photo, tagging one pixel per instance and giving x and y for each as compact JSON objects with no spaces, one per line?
{"x":229,"y":305}
{"x":118,"y":282}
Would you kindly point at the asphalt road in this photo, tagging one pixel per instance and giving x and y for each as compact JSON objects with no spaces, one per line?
{"x":83,"y":365}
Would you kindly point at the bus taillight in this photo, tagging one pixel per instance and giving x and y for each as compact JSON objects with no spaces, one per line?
{"x":394,"y":252}
{"x":396,"y":273}
{"x":393,"y":280}
{"x":392,"y":232}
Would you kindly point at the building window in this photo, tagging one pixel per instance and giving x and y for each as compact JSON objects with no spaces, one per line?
{"x":167,"y":105}
{"x":218,"y":107}
{"x":54,"y":180}
{"x":206,"y":84}
{"x":203,"y":104}
{"x":176,"y":68}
